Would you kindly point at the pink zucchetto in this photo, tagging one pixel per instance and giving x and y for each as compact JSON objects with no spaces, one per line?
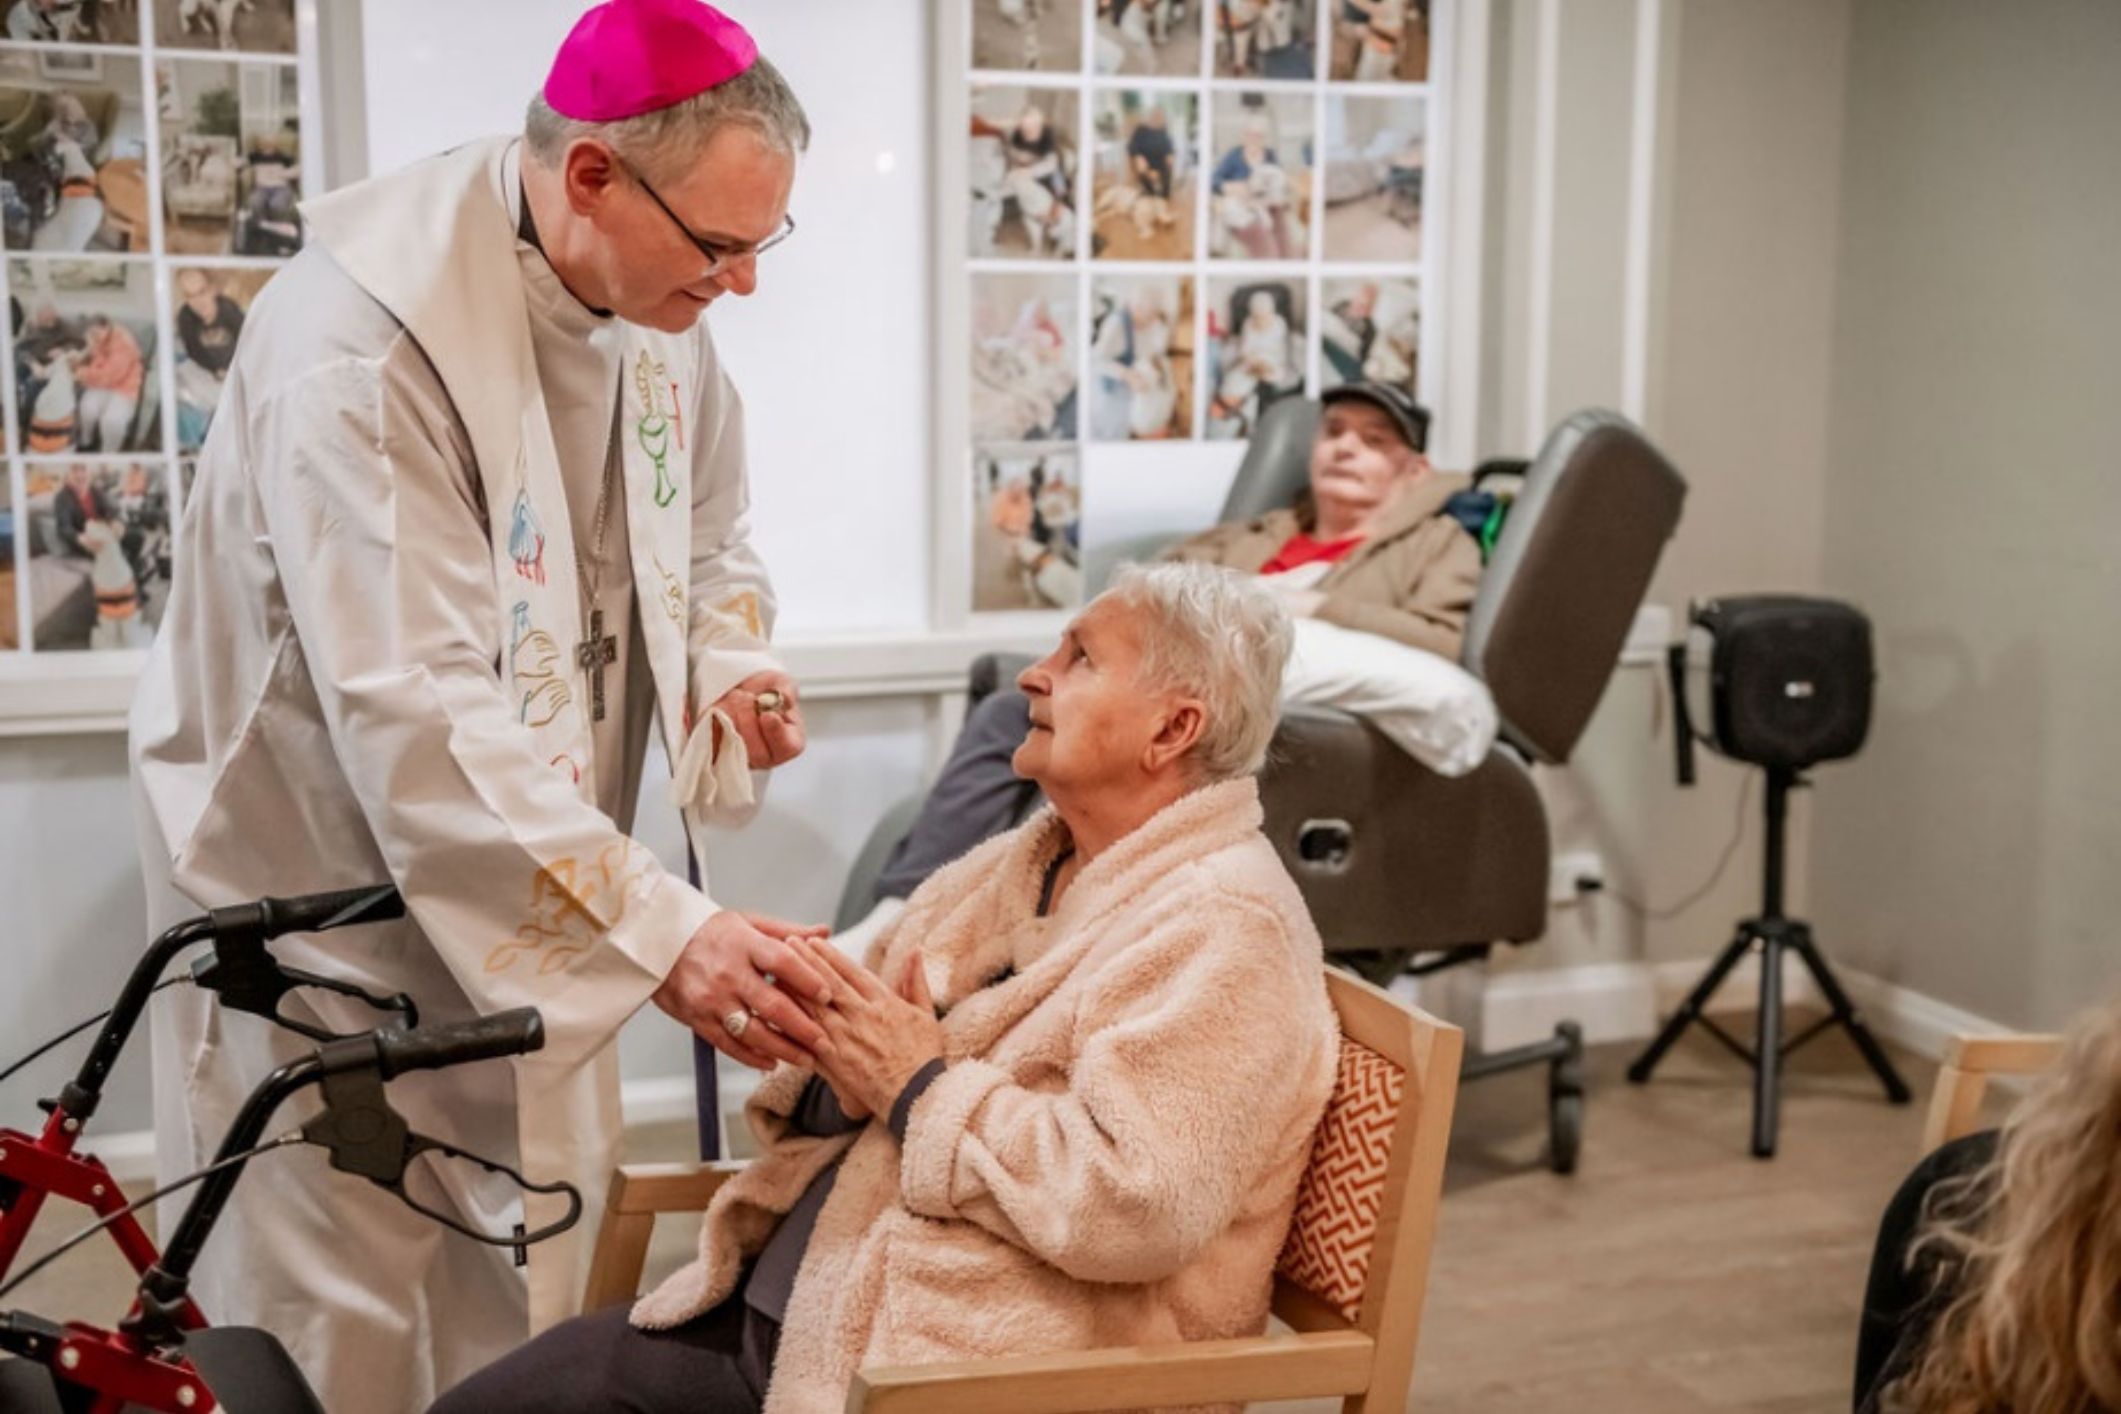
{"x":628,"y":57}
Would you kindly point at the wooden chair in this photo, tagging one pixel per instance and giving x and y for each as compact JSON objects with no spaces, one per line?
{"x":1349,"y":1284}
{"x":1962,"y":1082}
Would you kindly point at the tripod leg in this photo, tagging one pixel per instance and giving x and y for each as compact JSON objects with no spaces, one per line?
{"x":1767,"y":1045}
{"x":1639,"y":1072}
{"x":1845,"y":1012}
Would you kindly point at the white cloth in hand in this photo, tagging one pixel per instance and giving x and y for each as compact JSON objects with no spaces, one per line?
{"x":703,"y":778}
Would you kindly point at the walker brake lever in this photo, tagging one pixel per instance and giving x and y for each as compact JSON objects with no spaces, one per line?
{"x":248,"y":978}
{"x":369,"y":1139}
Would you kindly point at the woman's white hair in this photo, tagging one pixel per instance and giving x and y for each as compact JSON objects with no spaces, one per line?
{"x":661,"y":142}
{"x":1218,"y":636}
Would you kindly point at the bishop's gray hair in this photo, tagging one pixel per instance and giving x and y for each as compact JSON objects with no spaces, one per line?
{"x":1218,"y":636}
{"x":662,"y":142}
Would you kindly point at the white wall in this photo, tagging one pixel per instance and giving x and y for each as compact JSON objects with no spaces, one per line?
{"x":831,"y":353}
{"x":1975,"y":504}
{"x":1747,"y":177}
{"x":1741,"y":404}
{"x":76,"y":916}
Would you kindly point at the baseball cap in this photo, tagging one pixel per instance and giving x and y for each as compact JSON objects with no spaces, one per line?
{"x":1410,"y":417}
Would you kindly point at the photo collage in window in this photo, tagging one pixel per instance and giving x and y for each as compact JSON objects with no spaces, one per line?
{"x":1178,"y":212}
{"x":151,"y":170}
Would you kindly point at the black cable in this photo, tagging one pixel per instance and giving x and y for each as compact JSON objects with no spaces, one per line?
{"x":63,"y":1037}
{"x":1730,"y":852}
{"x":293,"y":1136}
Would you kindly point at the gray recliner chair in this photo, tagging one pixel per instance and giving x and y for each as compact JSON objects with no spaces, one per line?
{"x":1405,"y":870}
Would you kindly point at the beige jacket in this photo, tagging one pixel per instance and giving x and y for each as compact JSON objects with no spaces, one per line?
{"x":1412,"y":580}
{"x":1111,"y":1157}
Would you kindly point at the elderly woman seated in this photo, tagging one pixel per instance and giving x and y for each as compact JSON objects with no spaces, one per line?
{"x":1067,"y":1104}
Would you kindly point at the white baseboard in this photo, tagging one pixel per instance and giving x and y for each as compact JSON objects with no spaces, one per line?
{"x":1611,"y":1001}
{"x":1627,"y":1001}
{"x":1917,"y":1021}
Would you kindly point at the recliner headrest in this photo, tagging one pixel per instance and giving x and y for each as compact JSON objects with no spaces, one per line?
{"x":1569,"y":571}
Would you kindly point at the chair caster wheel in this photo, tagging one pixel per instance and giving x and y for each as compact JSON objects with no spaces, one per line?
{"x":1565,"y":1084}
{"x":1565,"y":1132}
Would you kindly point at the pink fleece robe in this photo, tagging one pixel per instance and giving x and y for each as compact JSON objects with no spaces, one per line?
{"x":1113,"y":1154}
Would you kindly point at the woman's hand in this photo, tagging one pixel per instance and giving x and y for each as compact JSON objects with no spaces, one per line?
{"x":875,"y":1040}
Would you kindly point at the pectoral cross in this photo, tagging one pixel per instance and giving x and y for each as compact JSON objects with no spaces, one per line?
{"x":594,"y":654}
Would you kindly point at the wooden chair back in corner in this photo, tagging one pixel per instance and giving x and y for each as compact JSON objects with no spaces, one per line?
{"x":1970,"y":1062}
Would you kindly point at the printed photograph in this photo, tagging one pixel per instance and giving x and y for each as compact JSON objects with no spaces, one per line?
{"x":1144,"y":170}
{"x":98,"y":564}
{"x":1266,"y":39}
{"x":85,"y":338}
{"x":208,"y":316}
{"x":73,"y":154}
{"x":1374,"y":163}
{"x":1035,"y":36}
{"x":1255,"y":351}
{"x":231,"y":158}
{"x":1022,"y":166}
{"x":1380,"y":41}
{"x":1370,"y":330}
{"x":1159,"y":38}
{"x":1023,"y":358}
{"x":1026,"y":529}
{"x":1259,"y":190}
{"x":252,"y":26}
{"x":73,"y":22}
{"x":1141,"y":357}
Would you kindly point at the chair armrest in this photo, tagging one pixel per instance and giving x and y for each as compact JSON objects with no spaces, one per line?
{"x":637,"y":1193}
{"x":1437,"y":861}
{"x":1321,"y":1364}
{"x":1962,"y":1081}
{"x":2004,"y":1055}
{"x":667,"y":1188}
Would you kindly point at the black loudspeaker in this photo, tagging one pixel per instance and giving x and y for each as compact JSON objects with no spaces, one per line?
{"x":1779,"y":680}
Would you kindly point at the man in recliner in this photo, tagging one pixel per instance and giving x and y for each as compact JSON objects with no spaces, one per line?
{"x":1372,"y":546}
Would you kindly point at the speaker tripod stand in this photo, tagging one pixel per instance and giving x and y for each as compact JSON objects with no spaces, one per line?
{"x":1772,"y":934}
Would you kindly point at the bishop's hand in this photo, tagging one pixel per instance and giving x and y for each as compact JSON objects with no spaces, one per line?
{"x":737,"y":986}
{"x":768,"y":717}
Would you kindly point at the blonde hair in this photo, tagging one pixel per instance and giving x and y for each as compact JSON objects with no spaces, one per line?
{"x":1218,"y":636}
{"x":2032,"y":1248}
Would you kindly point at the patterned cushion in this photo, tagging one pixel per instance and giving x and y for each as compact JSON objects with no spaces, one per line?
{"x":1328,"y":1251}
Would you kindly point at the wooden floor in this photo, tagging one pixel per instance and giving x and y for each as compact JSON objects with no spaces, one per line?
{"x":1672,"y":1272}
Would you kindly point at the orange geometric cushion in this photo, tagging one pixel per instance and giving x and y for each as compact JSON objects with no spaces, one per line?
{"x":1328,"y":1251}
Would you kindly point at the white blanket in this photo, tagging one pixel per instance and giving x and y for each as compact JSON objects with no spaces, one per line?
{"x":1432,"y":709}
